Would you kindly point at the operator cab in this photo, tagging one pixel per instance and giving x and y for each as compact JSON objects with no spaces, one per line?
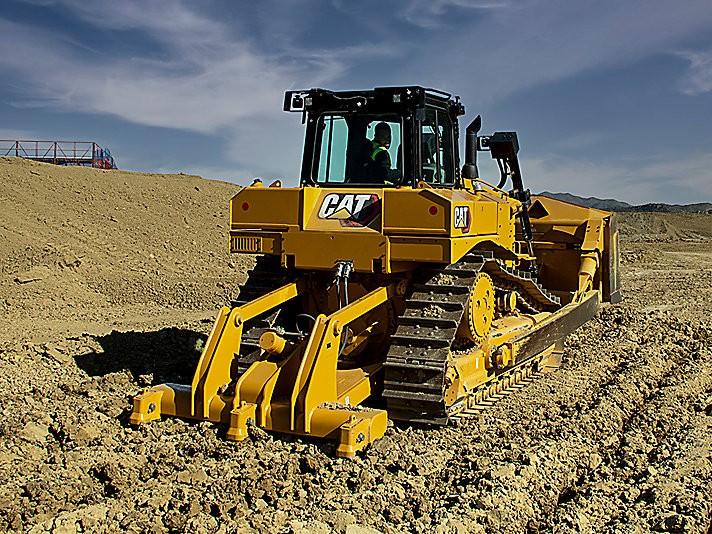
{"x":345,"y":139}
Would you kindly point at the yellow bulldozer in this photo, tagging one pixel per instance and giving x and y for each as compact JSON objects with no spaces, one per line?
{"x":392,"y":283}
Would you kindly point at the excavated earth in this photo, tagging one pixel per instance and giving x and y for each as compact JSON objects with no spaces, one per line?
{"x":109,"y":281}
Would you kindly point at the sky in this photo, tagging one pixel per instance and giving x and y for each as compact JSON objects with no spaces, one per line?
{"x":610,"y":98}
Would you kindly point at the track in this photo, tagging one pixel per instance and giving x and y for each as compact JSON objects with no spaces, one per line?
{"x":415,"y":366}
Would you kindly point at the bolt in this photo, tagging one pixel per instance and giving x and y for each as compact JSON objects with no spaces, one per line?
{"x":360,"y":438}
{"x":151,"y":407}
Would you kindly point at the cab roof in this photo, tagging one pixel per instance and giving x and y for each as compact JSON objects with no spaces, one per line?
{"x":380,"y":99}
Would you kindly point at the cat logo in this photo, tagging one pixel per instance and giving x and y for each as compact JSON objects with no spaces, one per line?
{"x":462,"y":218}
{"x":350,"y":209}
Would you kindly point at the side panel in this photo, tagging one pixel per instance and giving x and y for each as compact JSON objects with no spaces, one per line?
{"x":265,"y":208}
{"x":416,"y":211}
{"x":611,"y":263}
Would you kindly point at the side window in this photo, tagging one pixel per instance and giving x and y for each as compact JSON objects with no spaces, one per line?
{"x":332,"y":157}
{"x":436,"y":153}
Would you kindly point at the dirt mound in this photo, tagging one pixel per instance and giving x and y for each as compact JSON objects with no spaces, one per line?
{"x":665,"y":227}
{"x":79,"y":242}
{"x":617,"y":440}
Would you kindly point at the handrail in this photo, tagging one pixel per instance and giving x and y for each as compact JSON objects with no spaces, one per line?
{"x":82,"y":153}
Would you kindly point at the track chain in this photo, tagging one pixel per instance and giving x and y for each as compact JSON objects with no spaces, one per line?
{"x":414,"y":381}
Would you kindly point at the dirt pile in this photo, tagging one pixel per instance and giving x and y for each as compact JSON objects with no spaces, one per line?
{"x":668,"y":227}
{"x":617,"y":440}
{"x":77,"y":242}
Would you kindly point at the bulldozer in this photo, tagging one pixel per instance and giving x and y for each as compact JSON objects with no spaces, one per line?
{"x":392,"y":283}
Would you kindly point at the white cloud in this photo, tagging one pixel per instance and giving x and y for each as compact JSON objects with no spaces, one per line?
{"x":425,"y":13}
{"x":205,"y":73}
{"x":202,"y":73}
{"x":533,"y":42}
{"x":204,"y":78}
{"x":698,"y":79}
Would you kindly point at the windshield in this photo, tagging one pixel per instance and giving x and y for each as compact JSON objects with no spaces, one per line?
{"x":358,"y":149}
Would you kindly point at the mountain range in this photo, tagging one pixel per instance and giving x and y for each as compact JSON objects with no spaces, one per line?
{"x":610,"y":204}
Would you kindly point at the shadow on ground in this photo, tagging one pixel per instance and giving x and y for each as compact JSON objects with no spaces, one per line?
{"x":167,"y":355}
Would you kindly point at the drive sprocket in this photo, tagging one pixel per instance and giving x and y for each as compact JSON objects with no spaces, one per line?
{"x":479,"y":312}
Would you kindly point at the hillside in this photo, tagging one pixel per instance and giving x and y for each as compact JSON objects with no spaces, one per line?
{"x":81,"y":241}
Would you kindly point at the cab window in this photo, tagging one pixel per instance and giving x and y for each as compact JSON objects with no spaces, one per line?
{"x":436,"y":149}
{"x":332,"y":157}
{"x":350,"y":150}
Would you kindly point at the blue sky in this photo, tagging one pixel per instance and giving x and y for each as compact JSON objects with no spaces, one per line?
{"x":610,"y":98}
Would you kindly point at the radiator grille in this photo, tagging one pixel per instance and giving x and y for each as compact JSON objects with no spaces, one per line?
{"x":245,"y":244}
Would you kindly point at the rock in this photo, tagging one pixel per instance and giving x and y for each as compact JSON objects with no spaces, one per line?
{"x":174,"y":520}
{"x":341,"y":520}
{"x":201,"y":524}
{"x":91,"y":516}
{"x":311,"y":527}
{"x":452,"y":526}
{"x":192,"y":477}
{"x":257,"y":433}
{"x":35,"y":432}
{"x":675,"y":523}
{"x":195,"y":508}
{"x":84,"y":434}
{"x":312,"y":463}
{"x":503,"y":471}
{"x":33,"y":275}
{"x":53,"y":352}
{"x":395,"y":513}
{"x":64,"y":526}
{"x":632,"y":494}
{"x":594,"y":460}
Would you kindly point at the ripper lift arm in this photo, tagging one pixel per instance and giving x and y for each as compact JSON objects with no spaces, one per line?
{"x":318,"y":403}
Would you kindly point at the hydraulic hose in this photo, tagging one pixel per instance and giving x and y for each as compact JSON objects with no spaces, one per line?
{"x":305,"y":316}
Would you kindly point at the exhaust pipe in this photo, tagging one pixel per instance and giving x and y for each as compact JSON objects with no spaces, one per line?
{"x":469,"y":169}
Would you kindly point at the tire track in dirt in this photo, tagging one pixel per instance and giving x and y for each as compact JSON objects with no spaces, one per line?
{"x":564,"y":456}
{"x":675,"y":420}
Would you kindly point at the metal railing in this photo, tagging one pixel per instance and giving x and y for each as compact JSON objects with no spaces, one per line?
{"x":84,"y":153}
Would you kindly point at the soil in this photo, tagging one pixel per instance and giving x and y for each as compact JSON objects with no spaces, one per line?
{"x":109,"y":282}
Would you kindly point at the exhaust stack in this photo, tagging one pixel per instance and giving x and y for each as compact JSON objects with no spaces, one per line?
{"x":469,"y":169}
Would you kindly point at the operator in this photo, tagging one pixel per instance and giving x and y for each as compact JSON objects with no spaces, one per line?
{"x":379,"y":164}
